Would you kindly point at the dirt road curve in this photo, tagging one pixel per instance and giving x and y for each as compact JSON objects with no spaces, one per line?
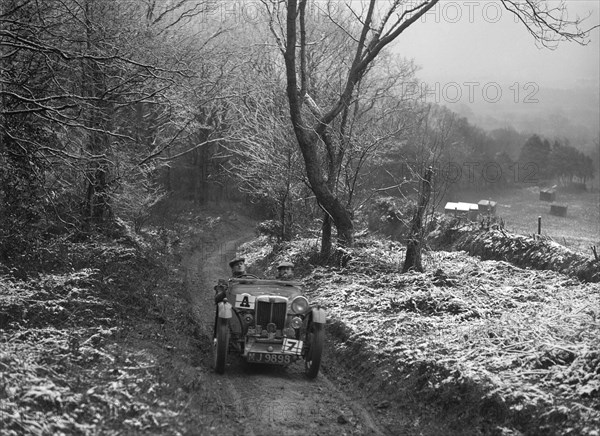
{"x":263,"y":400}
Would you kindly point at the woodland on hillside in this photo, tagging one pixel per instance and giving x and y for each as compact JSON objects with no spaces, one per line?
{"x":109,"y":107}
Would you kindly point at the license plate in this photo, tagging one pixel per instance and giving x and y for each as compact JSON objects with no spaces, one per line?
{"x":272,"y":358}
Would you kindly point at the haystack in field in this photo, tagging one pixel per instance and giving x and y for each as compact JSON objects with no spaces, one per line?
{"x":487,"y":207}
{"x":548,"y":195}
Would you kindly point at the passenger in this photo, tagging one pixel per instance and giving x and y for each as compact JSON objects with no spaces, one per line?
{"x":285,"y":271}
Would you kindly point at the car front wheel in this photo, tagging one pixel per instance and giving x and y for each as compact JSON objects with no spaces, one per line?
{"x":315,"y":338}
{"x":220,"y":345}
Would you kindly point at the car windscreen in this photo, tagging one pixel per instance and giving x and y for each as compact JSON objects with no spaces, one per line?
{"x":266,"y":289}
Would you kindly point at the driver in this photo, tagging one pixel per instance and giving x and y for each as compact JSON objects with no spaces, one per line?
{"x":238,"y":267}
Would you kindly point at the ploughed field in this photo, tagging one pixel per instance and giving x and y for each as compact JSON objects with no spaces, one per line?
{"x":493,"y":346}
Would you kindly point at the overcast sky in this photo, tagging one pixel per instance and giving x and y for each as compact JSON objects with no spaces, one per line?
{"x":479,"y":41}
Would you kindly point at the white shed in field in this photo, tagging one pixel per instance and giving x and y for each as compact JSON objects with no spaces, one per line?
{"x":467,"y":210}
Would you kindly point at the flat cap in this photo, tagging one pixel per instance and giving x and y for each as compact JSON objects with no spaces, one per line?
{"x":232,"y":262}
{"x":285,"y":265}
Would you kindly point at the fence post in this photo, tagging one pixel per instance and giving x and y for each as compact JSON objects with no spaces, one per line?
{"x":539,"y":225}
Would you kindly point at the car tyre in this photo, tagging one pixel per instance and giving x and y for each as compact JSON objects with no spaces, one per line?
{"x":220,"y":345}
{"x":315,"y":338}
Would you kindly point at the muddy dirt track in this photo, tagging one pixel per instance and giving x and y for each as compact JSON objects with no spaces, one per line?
{"x":264,"y":400}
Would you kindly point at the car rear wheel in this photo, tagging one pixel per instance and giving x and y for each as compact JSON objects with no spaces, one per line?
{"x":315,"y":338}
{"x":220,"y":345}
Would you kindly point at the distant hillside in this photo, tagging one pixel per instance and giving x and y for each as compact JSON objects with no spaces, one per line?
{"x":555,"y":113}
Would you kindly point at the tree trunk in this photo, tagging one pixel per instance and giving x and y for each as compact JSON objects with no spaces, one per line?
{"x":308,"y":139}
{"x":282,"y":217}
{"x":97,"y":209}
{"x":415,"y":241}
{"x":326,"y":238}
{"x":342,"y":218}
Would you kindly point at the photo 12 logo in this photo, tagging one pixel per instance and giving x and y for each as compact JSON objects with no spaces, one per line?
{"x":466,"y":11}
{"x":476,"y":172}
{"x":254,"y":11}
{"x":257,"y":11}
{"x":474,"y":92}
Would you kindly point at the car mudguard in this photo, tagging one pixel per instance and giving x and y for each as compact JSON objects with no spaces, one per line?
{"x":318,"y":315}
{"x":224,"y":310}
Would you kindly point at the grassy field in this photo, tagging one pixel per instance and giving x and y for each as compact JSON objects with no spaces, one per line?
{"x":520,"y":209}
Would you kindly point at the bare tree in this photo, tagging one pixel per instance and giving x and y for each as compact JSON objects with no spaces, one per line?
{"x":111,"y":88}
{"x":371,"y":30}
{"x":265,"y":158}
{"x":412,"y":260}
{"x":432,"y":139}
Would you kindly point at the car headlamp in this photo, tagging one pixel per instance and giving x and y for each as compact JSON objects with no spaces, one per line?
{"x":300,"y":305}
{"x":296,"y":322}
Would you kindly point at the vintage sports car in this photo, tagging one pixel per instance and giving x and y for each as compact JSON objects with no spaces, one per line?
{"x":269,"y":322}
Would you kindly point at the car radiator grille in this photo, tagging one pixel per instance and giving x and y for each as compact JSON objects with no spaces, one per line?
{"x":267,"y":312}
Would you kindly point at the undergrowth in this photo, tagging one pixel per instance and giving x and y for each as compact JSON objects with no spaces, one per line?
{"x":63,"y":369}
{"x":492,"y":346}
